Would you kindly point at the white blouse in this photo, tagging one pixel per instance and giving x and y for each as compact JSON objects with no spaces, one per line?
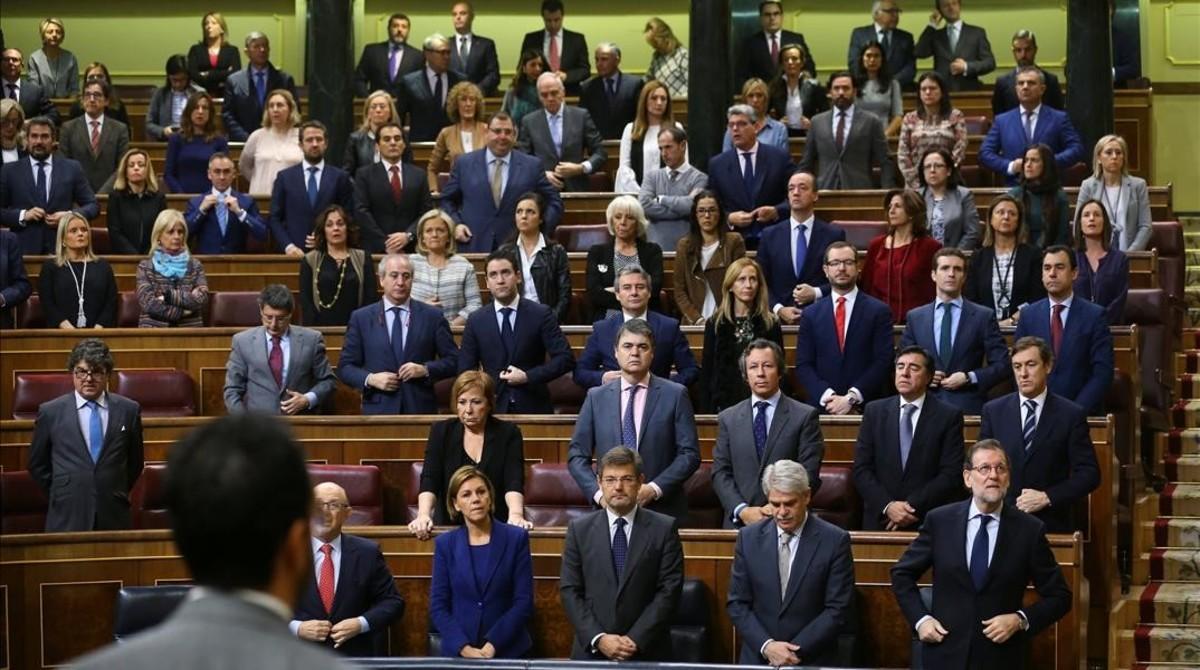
{"x":267,"y":153}
{"x":626,"y":180}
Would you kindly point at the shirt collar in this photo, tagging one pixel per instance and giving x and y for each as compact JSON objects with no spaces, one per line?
{"x":388,"y":304}
{"x":317,"y":543}
{"x":806,"y":222}
{"x":1039,"y":398}
{"x":957,"y":302}
{"x":33,"y":162}
{"x":98,"y":119}
{"x":773,"y":401}
{"x":975,"y":511}
{"x":1037,"y":111}
{"x":625,"y":385}
{"x":752,"y":150}
{"x":796,"y":533}
{"x":264,"y":70}
{"x":879,"y":29}
{"x":612,"y":518}
{"x":387,"y":167}
{"x":493,"y":157}
{"x":1065,"y":303}
{"x":849,"y":296}
{"x":683,"y":168}
{"x":551,"y":115}
{"x":429,"y":73}
{"x":919,"y":402}
{"x":496,"y":303}
{"x":80,"y":401}
{"x":645,"y":316}
{"x":320,"y":166}
{"x":957,"y":26}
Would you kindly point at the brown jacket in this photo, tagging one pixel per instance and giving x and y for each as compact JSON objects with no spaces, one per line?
{"x":448,"y":147}
{"x":690,"y":278}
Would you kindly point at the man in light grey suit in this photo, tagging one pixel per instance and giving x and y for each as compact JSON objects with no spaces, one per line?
{"x":843,"y":145}
{"x":667,"y":192}
{"x":755,"y":433}
{"x":277,"y":368}
{"x":99,"y":157}
{"x":563,"y":137}
{"x":240,"y":502}
{"x":648,"y":414}
{"x":86,"y":451}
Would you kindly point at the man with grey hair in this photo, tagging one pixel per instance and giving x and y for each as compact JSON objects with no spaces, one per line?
{"x":750,"y":179}
{"x":422,"y":94}
{"x":563,"y":137}
{"x":792,"y":584}
{"x":246,"y":90}
{"x":1024,"y":50}
{"x":1031,"y":122}
{"x":897,"y":44}
{"x":667,"y":192}
{"x":611,"y":97}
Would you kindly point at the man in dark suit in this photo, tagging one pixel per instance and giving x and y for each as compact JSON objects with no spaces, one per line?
{"x":390,"y":195}
{"x":422,"y":97}
{"x":791,"y":255}
{"x":844,"y":145}
{"x":566,"y":51}
{"x":87,"y":473}
{"x":760,"y":51}
{"x":481,"y":194}
{"x":1077,"y":331}
{"x":15,"y":288}
{"x":897,"y":44}
{"x":396,"y":349}
{"x":969,"y":353}
{"x":791,"y":588}
{"x":219,"y":221}
{"x":471,"y":54}
{"x":961,"y":52}
{"x":246,"y":90}
{"x":302,"y":191}
{"x":563,"y":137}
{"x":622,"y":569}
{"x":646,"y":413}
{"x":753,"y":434}
{"x":843,"y":351}
{"x":36,"y":192}
{"x":611,"y":97}
{"x":1014,"y":131}
{"x":1047,"y":440}
{"x":599,"y":365}
{"x":977,"y":619}
{"x":95,"y":140}
{"x":28,"y":94}
{"x":1004,"y":93}
{"x":532,"y":351}
{"x":906,"y":459}
{"x":383,"y":64}
{"x":750,"y":179}
{"x":351,"y":599}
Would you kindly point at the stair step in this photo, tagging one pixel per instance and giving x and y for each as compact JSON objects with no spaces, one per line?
{"x":1188,"y":360}
{"x":1179,"y":499}
{"x":1185,"y":468}
{"x":1187,"y":387}
{"x":1175,"y":565}
{"x":1164,"y":644}
{"x":1170,"y":603}
{"x":1180,"y":532}
{"x":1186,"y":414}
{"x":1179,"y":442}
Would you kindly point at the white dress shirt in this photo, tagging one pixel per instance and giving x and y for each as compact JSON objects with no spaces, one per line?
{"x":850,"y":297}
{"x":84,"y":414}
{"x":318,"y":559}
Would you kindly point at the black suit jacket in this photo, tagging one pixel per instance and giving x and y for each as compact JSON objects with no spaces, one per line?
{"x":640,"y":601}
{"x":1025,"y":279}
{"x":900,"y":59}
{"x":69,"y":190}
{"x":426,"y":114}
{"x":611,"y":114}
{"x":573,"y":59}
{"x":364,"y":588}
{"x":14,"y":282}
{"x":482,"y":66}
{"x":933,"y":474}
{"x":755,"y":60}
{"x":602,"y":272}
{"x":292,"y":216}
{"x":241,"y":113}
{"x":373,"y":71}
{"x":1004,"y":93}
{"x":379,"y":215}
{"x":33,"y":100}
{"x":201,"y":70}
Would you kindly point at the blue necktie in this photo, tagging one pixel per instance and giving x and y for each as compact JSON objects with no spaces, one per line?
{"x":222,"y":213}
{"x":40,"y":185}
{"x":620,"y":547}
{"x":945,"y":343}
{"x":398,"y":333}
{"x":979,"y":553}
{"x":748,"y":173}
{"x":760,"y":428}
{"x":95,"y":432}
{"x":1030,"y":423}
{"x":801,"y":251}
{"x":556,"y":133}
{"x":906,"y":433}
{"x":261,"y":83}
{"x":506,"y":332}
{"x":628,"y":430}
{"x":312,"y":187}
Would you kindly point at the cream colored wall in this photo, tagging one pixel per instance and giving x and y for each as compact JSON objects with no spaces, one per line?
{"x":1171,"y":55}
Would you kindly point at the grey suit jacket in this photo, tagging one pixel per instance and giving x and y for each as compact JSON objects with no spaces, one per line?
{"x":85,"y":495}
{"x":864,"y":148}
{"x":1137,"y":228}
{"x":960,"y":215}
{"x":581,"y":142}
{"x":249,"y":385}
{"x":795,"y":434}
{"x":74,"y":141}
{"x":216,"y":630}
{"x":973,"y":47}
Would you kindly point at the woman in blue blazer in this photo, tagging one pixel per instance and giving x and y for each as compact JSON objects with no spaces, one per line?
{"x":482,"y":593}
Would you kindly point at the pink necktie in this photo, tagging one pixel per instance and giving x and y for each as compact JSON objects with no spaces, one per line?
{"x":95,"y":137}
{"x":553,"y":55}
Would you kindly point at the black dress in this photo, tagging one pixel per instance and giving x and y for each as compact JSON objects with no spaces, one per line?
{"x":723,"y":346}
{"x":201,"y":69}
{"x":59,"y":296}
{"x":502,"y":461}
{"x":131,"y":219}
{"x":348,"y":299}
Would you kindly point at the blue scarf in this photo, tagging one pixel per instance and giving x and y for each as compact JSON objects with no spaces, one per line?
{"x":171,"y":266}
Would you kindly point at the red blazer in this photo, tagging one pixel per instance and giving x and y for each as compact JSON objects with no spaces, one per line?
{"x":900,"y":277}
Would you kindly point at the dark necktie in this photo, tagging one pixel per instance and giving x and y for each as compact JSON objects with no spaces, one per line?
{"x":775,"y":49}
{"x":398,"y":333}
{"x":1056,"y":328}
{"x":628,"y":429}
{"x":945,"y":345}
{"x":397,"y":188}
{"x":312,"y":187}
{"x":760,"y":428}
{"x":906,"y":432}
{"x":506,"y":332}
{"x":887,"y":42}
{"x":801,"y":250}
{"x":95,"y":431}
{"x":1028,"y":128}
{"x":841,"y":130}
{"x":620,"y":547}
{"x":1030,"y":423}
{"x":40,"y":186}
{"x":462,"y":51}
{"x":979,"y":553}
{"x":437,"y":90}
{"x":12,"y":91}
{"x":612,"y":91}
{"x":275,"y":360}
{"x":394,"y":61}
{"x":748,"y":172}
{"x":261,"y":83}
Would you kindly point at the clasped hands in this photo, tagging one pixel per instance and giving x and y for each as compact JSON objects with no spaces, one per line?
{"x":766,"y":214}
{"x":390,"y":381}
{"x":998,"y":629}
{"x":616,"y":647}
{"x":316,"y":630}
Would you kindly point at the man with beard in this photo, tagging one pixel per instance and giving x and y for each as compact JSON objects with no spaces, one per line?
{"x":383,"y":64}
{"x":302,"y":191}
{"x":1024,"y":50}
{"x":843,"y":145}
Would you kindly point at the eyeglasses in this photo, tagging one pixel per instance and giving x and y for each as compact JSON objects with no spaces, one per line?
{"x":627,"y":480}
{"x":332,"y":506}
{"x":987,"y":470}
{"x":93,"y":95}
{"x":706,"y":211}
{"x":841,"y":263}
{"x":935,"y":166}
{"x":81,"y":374}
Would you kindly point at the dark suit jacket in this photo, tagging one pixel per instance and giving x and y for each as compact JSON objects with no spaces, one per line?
{"x":581,"y":142}
{"x":368,"y":348}
{"x":378,"y":214}
{"x":772,"y":167}
{"x":537,"y":347}
{"x":1061,"y":461}
{"x":482,"y":66}
{"x":1106,"y":286}
{"x":611,"y":114}
{"x":670,"y":348}
{"x":977,"y":340}
{"x":364,"y":588}
{"x":498,"y":611}
{"x":1025,"y":278}
{"x":502,"y":461}
{"x":292,"y":217}
{"x":813,"y":99}
{"x":933,"y":474}
{"x":33,"y":100}
{"x":241,"y":113}
{"x":468,"y":198}
{"x":373,"y":71}
{"x":867,"y":357}
{"x":1006,"y":142}
{"x":69,"y":190}
{"x":756,"y":59}
{"x":865,"y":148}
{"x":426,"y":114}
{"x":601,"y":273}
{"x":201,"y":70}
{"x":74,"y":142}
{"x":86,"y":495}
{"x":795,"y":435}
{"x":1004,"y":93}
{"x":775,"y":258}
{"x":900,"y":59}
{"x":14,"y":282}
{"x":667,"y":440}
{"x":818,"y":603}
{"x":1022,"y":554}
{"x":573,"y":59}
{"x":551,"y":276}
{"x":205,"y":230}
{"x":1083,"y":368}
{"x":973,"y":47}
{"x":640,"y":601}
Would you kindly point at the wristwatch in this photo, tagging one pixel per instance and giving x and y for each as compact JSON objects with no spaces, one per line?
{"x":1024,"y":621}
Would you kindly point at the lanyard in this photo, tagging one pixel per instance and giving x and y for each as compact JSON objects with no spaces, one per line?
{"x":1005,"y":298}
{"x":80,"y":318}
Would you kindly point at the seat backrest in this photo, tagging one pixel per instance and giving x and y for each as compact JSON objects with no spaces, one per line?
{"x":582,"y":237}
{"x":234,"y":308}
{"x":552,"y":496}
{"x":129,"y":310}
{"x":142,"y":607}
{"x":34,"y":388}
{"x":161,"y":393}
{"x":689,"y":624}
{"x":1167,"y":238}
{"x":364,"y":489}
{"x":860,"y":233}
{"x":101,"y":242}
{"x":1074,"y":175}
{"x":977,"y":125}
{"x":31,"y":313}
{"x":148,"y":499}
{"x":704,"y":507}
{"x":565,"y":394}
{"x":410,"y":488}
{"x":1151,"y":310}
{"x":599,"y":182}
{"x":837,"y":500}
{"x":23,"y":504}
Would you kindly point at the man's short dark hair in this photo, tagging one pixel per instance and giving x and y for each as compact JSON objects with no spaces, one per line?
{"x":1062,"y":249}
{"x":551,"y":6}
{"x":276,"y":296}
{"x":1026,"y":69}
{"x":619,"y":456}
{"x":43,"y":121}
{"x":501,"y":116}
{"x":983,"y":445}
{"x":840,"y":244}
{"x":763,"y":343}
{"x":764,"y":3}
{"x":94,"y":352}
{"x":398,"y":15}
{"x":919,"y":351}
{"x":105,"y":88}
{"x":503,"y":255}
{"x":838,"y":75}
{"x":313,"y":123}
{"x":949,"y":251}
{"x":678,"y":134}
{"x":635,"y":327}
{"x":1034,"y":342}
{"x":234,"y":489}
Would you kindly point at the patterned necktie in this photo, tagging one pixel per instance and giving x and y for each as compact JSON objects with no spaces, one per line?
{"x":95,"y":137}
{"x":775,"y":49}
{"x":497,"y":181}
{"x":945,"y":340}
{"x":839,"y":322}
{"x":760,"y":428}
{"x":938,"y":222}
{"x":275,"y":360}
{"x":556,"y":132}
{"x":95,"y":431}
{"x":325,"y":580}
{"x":312,"y":187}
{"x":1030,"y":423}
{"x":1056,"y":327}
{"x":397,"y":187}
{"x":979,"y":553}
{"x":628,"y":429}
{"x":222,"y":213}
{"x":260,"y":79}
{"x":801,"y":250}
{"x":12,"y":91}
{"x":785,"y":561}
{"x":394,"y":61}
{"x":906,"y":432}
{"x":620,"y":547}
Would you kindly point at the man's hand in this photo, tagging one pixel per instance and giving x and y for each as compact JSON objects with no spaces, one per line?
{"x":231,"y":203}
{"x":314,"y":630}
{"x":931,"y":631}
{"x":958,"y":66}
{"x":384,"y":381}
{"x":751,"y":514}
{"x":562,"y":76}
{"x":471,"y":652}
{"x":344,"y":630}
{"x":411,"y":371}
{"x":514,"y":376}
{"x":554,"y":180}
{"x":35,"y":214}
{"x":839,"y":404}
{"x":781,"y":653}
{"x":55,"y":217}
{"x":741,"y":219}
{"x":394,"y":244}
{"x":899,"y":514}
{"x":956,"y":381}
{"x":766,"y":214}
{"x":489,"y":651}
{"x":1032,"y":501}
{"x":567,"y":170}
{"x":935,"y":19}
{"x":646,"y":495}
{"x":1001,"y":627}
{"x":616,"y":647}
{"x":462,"y":233}
{"x":310,"y":241}
{"x":804,"y":294}
{"x":789,"y":315}
{"x":294,"y":404}
{"x":294,"y":251}
{"x":1015,"y":166}
{"x":208,"y":202}
{"x":609,"y":376}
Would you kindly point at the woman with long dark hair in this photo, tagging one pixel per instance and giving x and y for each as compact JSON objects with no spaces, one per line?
{"x":899,"y":263}
{"x":1042,"y":197}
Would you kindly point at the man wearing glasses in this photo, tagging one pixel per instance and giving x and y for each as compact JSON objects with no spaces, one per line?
{"x":423,"y":93}
{"x":897,"y":44}
{"x":87,"y":448}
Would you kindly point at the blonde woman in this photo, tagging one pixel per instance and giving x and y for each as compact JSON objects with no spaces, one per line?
{"x":134,"y":204}
{"x":12,"y":130}
{"x":442,"y":278}
{"x":378,"y":108}
{"x":77,"y":289}
{"x":172,"y":290}
{"x":466,"y":132}
{"x":639,"y":140}
{"x":52,"y":67}
{"x":213,"y":59}
{"x":275,"y":146}
{"x":744,"y":316}
{"x":1124,"y":196}
{"x":669,"y":64}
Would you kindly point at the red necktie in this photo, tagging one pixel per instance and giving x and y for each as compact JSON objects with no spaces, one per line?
{"x":553,"y":55}
{"x":95,"y":137}
{"x":775,"y":49}
{"x":275,"y":361}
{"x":839,"y":322}
{"x":325,"y":580}
{"x":396,"y":187}
{"x":1056,"y":328}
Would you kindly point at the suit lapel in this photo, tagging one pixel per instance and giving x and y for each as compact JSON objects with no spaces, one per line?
{"x":345,"y":571}
{"x":805,"y":550}
{"x":462,"y":550}
{"x":637,"y":547}
{"x":783,"y":414}
{"x":293,"y":356}
{"x":652,"y":392}
{"x":499,"y":544}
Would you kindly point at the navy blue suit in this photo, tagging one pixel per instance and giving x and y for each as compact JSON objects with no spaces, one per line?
{"x":241,"y":113}
{"x":498,"y":611}
{"x":292,"y":217}
{"x":775,"y":258}
{"x":69,"y":190}
{"x":364,"y":588}
{"x":1006,"y":142}
{"x":536,"y":337}
{"x":1083,"y":367}
{"x":14,"y":283}
{"x":867,"y":358}
{"x":427,"y":115}
{"x":771,"y":169}
{"x":368,"y":348}
{"x":977,"y":339}
{"x":670,"y":347}
{"x":1061,"y":461}
{"x":205,"y":230}
{"x":467,"y":197}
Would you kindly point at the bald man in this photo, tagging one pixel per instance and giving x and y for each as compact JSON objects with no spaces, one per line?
{"x":351,"y":599}
{"x":563,"y":137}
